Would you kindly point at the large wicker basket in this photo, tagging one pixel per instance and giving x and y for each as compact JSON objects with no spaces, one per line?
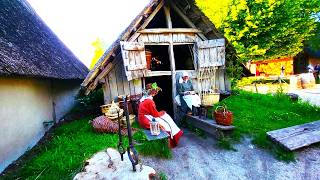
{"x":223,"y":116}
{"x":210,"y":98}
{"x":111,"y":116}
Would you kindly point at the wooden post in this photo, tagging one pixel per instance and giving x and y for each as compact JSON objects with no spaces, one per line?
{"x":172,"y":61}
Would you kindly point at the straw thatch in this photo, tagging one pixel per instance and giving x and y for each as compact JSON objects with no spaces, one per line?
{"x":29,"y":48}
{"x":188,"y":8}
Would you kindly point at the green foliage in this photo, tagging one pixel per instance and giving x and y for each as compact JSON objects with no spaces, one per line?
{"x":99,"y":48}
{"x":264,"y":29}
{"x":226,"y":143}
{"x":95,"y":99}
{"x":255,"y":114}
{"x":159,"y":148}
{"x":68,"y":146}
{"x":162,"y":176}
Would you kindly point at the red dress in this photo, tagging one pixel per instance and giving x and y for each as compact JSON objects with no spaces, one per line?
{"x":148,"y":107}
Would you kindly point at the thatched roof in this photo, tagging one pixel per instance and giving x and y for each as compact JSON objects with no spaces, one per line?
{"x":29,"y":48}
{"x":188,"y":8}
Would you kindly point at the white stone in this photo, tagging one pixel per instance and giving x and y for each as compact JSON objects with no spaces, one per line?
{"x":99,"y":167}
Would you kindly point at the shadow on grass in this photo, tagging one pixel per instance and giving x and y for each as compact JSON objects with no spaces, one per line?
{"x":64,"y":149}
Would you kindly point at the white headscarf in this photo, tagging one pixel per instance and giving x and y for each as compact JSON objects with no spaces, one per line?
{"x":184,"y":73}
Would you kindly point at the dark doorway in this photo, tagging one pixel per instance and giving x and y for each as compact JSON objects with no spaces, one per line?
{"x":163,"y":99}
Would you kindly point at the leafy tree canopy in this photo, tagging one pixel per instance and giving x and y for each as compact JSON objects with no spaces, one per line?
{"x":264,"y":29}
{"x":99,"y":48}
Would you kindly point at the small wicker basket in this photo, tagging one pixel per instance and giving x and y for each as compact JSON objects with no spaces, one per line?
{"x":223,"y":116}
{"x":210,"y":98}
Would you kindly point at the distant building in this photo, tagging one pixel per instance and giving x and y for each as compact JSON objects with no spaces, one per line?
{"x":291,"y":65}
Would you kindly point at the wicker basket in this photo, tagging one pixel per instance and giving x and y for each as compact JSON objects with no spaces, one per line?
{"x":131,"y":120}
{"x":111,"y":116}
{"x":210,"y":99}
{"x":223,"y":116}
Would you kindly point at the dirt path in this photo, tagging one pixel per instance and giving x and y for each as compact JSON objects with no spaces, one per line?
{"x":198,"y":158}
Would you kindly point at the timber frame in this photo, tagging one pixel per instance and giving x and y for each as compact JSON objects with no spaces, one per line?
{"x":122,"y":68}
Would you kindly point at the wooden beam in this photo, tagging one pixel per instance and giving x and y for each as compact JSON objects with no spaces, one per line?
{"x":158,"y":73}
{"x":146,"y":22}
{"x":173,"y":30}
{"x":172,"y":61}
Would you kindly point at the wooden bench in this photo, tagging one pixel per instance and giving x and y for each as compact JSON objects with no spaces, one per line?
{"x":296,"y":137}
{"x":209,"y":125}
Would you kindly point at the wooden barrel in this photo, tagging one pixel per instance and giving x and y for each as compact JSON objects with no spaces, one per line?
{"x":295,"y":82}
{"x":148,"y":58}
{"x":307,"y":80}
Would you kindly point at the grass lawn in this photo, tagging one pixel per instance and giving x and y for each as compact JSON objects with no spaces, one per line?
{"x":256,"y":114}
{"x":63,"y":154}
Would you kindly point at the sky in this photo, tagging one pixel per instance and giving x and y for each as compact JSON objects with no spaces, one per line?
{"x":79,"y":22}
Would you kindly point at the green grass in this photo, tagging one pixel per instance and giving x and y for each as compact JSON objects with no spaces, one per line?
{"x":63,"y":155}
{"x":256,"y":114}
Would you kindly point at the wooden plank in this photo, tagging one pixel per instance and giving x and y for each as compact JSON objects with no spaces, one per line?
{"x":208,"y":125}
{"x":113,"y":84}
{"x":132,"y":46}
{"x":137,"y":86}
{"x":120,"y":87}
{"x":158,"y":73}
{"x":147,"y":21}
{"x":106,"y":91}
{"x":131,"y":88}
{"x":298,"y":136}
{"x":168,"y":30}
{"x":221,"y":79}
{"x":211,"y":43}
{"x":125,"y":82}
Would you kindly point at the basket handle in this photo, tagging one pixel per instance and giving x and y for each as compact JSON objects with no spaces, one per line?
{"x":221,"y":107}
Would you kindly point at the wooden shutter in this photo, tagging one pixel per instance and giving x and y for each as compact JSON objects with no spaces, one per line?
{"x":211,"y":53}
{"x":134,"y":59}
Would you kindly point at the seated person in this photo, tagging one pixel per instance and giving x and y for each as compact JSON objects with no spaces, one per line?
{"x":147,"y":111}
{"x":188,"y":97}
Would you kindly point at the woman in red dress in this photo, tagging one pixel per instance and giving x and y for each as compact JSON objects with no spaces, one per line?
{"x":147,"y":111}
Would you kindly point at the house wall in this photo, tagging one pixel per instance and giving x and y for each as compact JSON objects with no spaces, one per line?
{"x":64,"y":94}
{"x":26,"y":103}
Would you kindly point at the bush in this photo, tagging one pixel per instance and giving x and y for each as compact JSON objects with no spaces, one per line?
{"x":86,"y":105}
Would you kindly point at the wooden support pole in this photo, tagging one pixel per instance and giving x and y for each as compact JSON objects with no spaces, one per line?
{"x":172,"y":61}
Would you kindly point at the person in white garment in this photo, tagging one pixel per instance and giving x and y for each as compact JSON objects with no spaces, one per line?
{"x":147,"y":111}
{"x":188,"y":97}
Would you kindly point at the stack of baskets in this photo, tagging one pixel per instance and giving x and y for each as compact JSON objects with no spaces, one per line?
{"x":111,"y":112}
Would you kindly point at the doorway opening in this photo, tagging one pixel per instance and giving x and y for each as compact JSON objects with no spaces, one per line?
{"x":163,"y":99}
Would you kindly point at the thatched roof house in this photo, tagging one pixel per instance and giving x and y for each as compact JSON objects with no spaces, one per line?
{"x":30,"y":48}
{"x":178,"y":34}
{"x":39,"y":78}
